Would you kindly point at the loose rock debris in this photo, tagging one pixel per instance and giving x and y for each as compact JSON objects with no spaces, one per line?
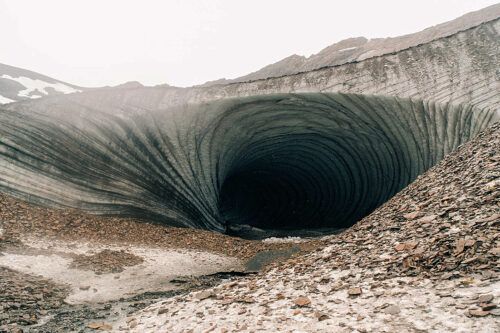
{"x":106,"y":261}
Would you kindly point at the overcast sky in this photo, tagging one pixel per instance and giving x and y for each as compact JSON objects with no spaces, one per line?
{"x":184,"y":42}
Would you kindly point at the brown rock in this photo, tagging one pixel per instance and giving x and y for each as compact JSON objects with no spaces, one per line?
{"x":392,"y":309}
{"x":460,"y":246}
{"x":427,"y":219}
{"x":399,"y":247}
{"x":487,"y":306}
{"x":226,"y":301}
{"x":470,"y":243}
{"x":100,"y":326}
{"x":162,"y":311}
{"x":321,"y":316}
{"x":94,"y":326}
{"x":412,"y":215}
{"x":247,"y":300}
{"x":468,"y":261}
{"x":478,"y":312}
{"x":204,"y":294}
{"x":302,"y":301}
{"x":485,"y":298}
{"x":410,"y":245}
{"x":405,"y":246}
{"x":355,"y":291}
{"x":495,"y":251}
{"x":106,"y":327}
{"x":494,"y":217}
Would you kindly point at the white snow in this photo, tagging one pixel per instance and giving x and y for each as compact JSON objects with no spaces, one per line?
{"x":39,"y":86}
{"x":347,"y":49}
{"x":288,"y":239}
{"x":5,"y":100}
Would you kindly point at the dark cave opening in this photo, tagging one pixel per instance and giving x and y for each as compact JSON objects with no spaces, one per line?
{"x":310,"y":166}
{"x":305,"y":182}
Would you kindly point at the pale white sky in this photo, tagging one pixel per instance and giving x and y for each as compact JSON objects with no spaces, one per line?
{"x":184,"y":42}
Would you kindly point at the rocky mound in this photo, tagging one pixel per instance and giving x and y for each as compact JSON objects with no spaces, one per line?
{"x":426,"y":260}
{"x":106,"y":261}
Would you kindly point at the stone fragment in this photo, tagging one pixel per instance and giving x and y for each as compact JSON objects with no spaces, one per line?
{"x":485,"y":298}
{"x":321,"y":316}
{"x":495,"y":251}
{"x":487,"y":306}
{"x":412,"y":215}
{"x":392,"y":309}
{"x":355,"y":291}
{"x":94,"y":325}
{"x":427,"y":219}
{"x":302,"y":301}
{"x":162,"y":311}
{"x":460,"y":246}
{"x":399,"y":247}
{"x":204,"y":294}
{"x":469,"y":243}
{"x":100,"y":326}
{"x":410,"y":245}
{"x":478,"y":312}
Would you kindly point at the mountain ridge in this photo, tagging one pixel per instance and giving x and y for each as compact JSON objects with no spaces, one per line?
{"x":356,"y":49}
{"x":18,"y":84}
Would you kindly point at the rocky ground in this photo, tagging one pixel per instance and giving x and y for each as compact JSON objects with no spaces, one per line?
{"x":62,"y":270}
{"x":426,"y":261}
{"x":25,"y":298}
{"x":20,"y":218}
{"x":106,"y":261}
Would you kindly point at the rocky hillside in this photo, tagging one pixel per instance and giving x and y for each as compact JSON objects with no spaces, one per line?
{"x":17,"y":84}
{"x":360,"y":48}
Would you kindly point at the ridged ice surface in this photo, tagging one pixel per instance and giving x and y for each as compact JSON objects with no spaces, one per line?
{"x":275,"y":161}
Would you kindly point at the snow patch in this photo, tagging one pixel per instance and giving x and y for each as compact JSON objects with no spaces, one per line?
{"x":5,"y":100}
{"x":347,"y":49}
{"x":288,"y":239}
{"x":39,"y":86}
{"x":159,"y":267}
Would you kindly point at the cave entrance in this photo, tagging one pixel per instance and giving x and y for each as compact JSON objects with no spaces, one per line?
{"x":297,"y":185}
